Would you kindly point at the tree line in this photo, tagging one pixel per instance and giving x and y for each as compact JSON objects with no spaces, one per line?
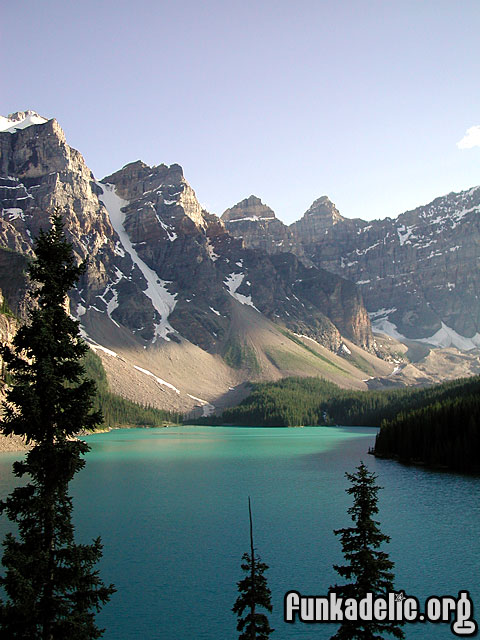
{"x":443,"y":434}
{"x":315,"y":401}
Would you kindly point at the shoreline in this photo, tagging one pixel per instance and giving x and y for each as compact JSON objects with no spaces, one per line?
{"x":16,"y":444}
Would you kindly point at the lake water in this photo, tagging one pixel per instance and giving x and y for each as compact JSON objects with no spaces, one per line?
{"x":171,"y":507}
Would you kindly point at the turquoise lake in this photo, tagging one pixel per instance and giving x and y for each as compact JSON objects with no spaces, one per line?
{"x":171,"y":508}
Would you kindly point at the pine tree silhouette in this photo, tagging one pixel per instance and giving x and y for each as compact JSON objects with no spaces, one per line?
{"x":254,"y":593}
{"x":367,"y":569}
{"x":52,"y":588}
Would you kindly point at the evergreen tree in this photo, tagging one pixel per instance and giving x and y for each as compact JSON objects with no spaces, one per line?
{"x":52,"y":589}
{"x":254,"y":593}
{"x":367,"y":569}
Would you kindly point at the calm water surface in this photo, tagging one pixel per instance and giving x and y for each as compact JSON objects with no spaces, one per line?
{"x":171,"y":507}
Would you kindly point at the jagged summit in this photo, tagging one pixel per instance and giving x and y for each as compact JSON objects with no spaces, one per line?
{"x":161,"y":188}
{"x":258,"y":226}
{"x":323,"y":206}
{"x":137,"y":178}
{"x":20,"y":120}
{"x":317,"y":220}
{"x":250,"y":209}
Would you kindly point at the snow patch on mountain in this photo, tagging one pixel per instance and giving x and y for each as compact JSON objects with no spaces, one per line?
{"x":404,"y":234}
{"x":381,"y":323}
{"x":207,"y":408}
{"x":443,"y":338}
{"x":447,"y":337}
{"x":211,"y":251}
{"x":91,"y":342}
{"x":388,"y":328}
{"x":172,"y":236}
{"x":96,"y":347}
{"x":217,"y":313}
{"x":157,"y":379}
{"x":13,"y":213}
{"x":163,"y":301}
{"x":252,"y":219}
{"x":233,"y":282}
{"x":119,"y":250}
{"x":20,"y":120}
{"x":111,"y":294}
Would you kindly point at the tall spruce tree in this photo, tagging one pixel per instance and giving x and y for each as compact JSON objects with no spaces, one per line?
{"x":254,"y":593}
{"x":52,"y":588}
{"x":367,"y":569}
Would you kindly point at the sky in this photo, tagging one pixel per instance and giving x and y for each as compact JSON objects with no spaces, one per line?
{"x":368,"y":102}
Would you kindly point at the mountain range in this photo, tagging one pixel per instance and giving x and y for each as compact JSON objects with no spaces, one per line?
{"x":417,"y":273}
{"x":185,"y":307}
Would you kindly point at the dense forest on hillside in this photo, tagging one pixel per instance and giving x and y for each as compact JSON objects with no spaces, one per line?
{"x":314,"y":401}
{"x":443,"y":434}
{"x":118,"y":411}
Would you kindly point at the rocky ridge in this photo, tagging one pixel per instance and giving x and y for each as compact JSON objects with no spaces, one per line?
{"x":417,"y":273}
{"x":203,"y":267}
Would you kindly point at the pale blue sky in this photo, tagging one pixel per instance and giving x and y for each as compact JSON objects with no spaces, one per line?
{"x":363,"y":101}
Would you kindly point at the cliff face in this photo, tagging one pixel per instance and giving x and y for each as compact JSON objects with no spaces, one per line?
{"x":41,"y":174}
{"x":418,"y":271}
{"x":172,"y":239}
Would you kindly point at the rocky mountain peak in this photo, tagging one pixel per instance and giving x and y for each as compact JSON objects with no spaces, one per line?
{"x":163,"y":187}
{"x":323,"y":207}
{"x":258,"y":227}
{"x":317,"y":220}
{"x":252,"y":200}
{"x":136,"y":179}
{"x":251,"y":208}
{"x":33,"y":152}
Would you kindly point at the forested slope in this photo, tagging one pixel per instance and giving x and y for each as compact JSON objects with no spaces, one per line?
{"x":443,"y":434}
{"x":314,"y":401}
